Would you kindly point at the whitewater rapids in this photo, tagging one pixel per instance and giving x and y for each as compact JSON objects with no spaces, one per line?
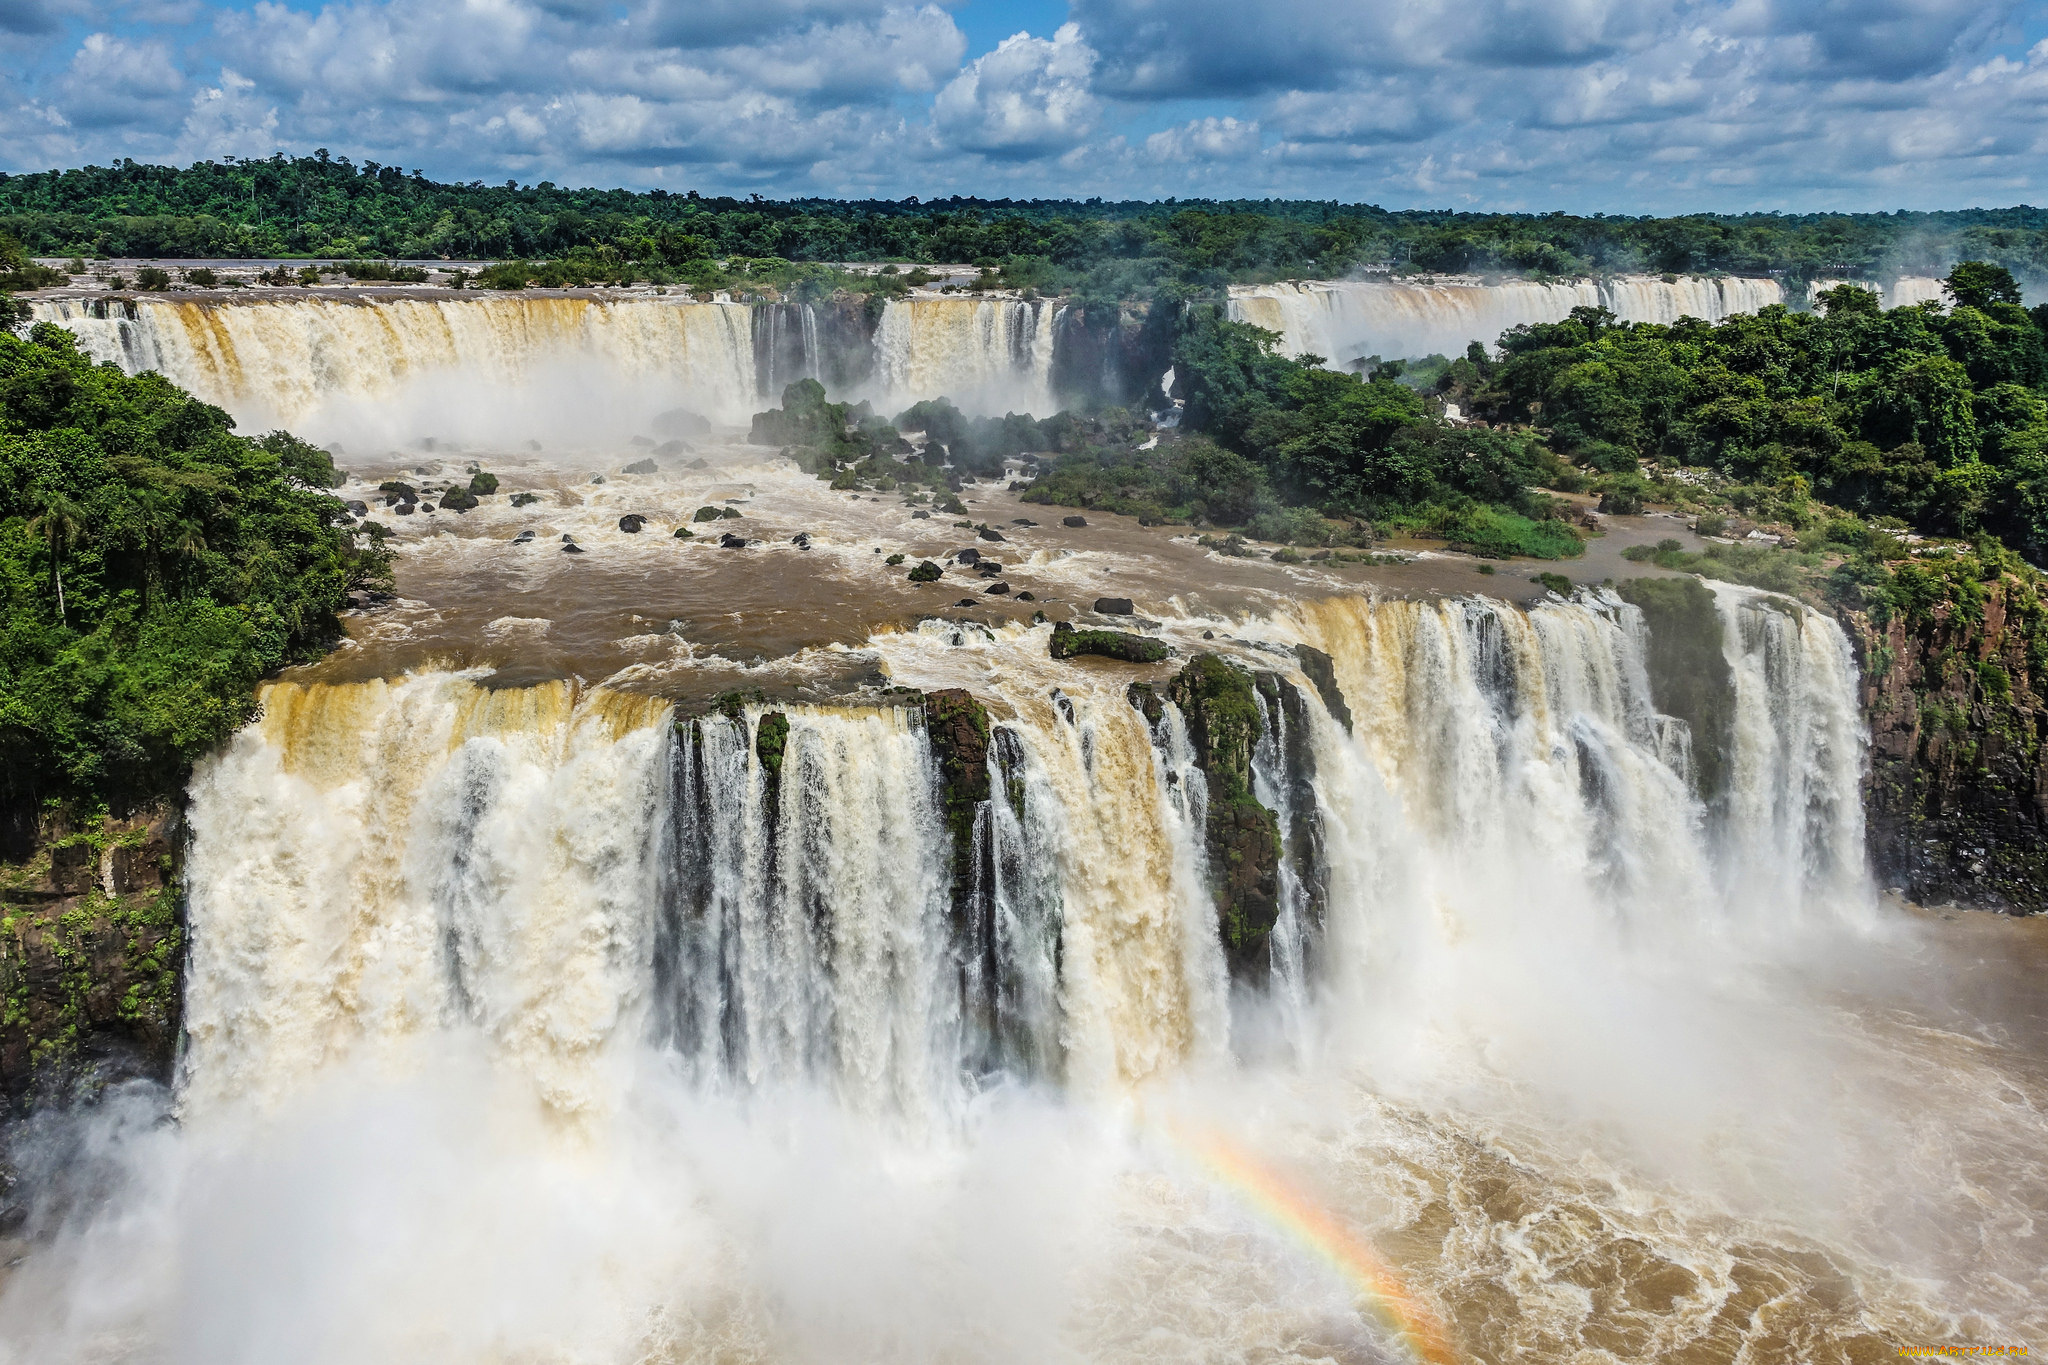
{"x":547,"y":1024}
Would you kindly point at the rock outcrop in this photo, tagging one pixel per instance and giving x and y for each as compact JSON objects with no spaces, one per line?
{"x":957,"y":728}
{"x":1242,"y":837}
{"x":1068,"y":643}
{"x":92,"y":943}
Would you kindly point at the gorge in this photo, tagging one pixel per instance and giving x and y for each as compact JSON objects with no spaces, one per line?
{"x":681,"y":952}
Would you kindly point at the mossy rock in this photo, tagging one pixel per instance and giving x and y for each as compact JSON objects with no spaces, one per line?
{"x":957,"y":728}
{"x":771,"y":741}
{"x":1242,"y":837}
{"x":1068,"y":643}
{"x":483,"y":484}
{"x":708,"y":514}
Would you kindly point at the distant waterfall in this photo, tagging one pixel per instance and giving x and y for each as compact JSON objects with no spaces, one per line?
{"x":1348,"y":320}
{"x":499,"y":368}
{"x":988,"y":354}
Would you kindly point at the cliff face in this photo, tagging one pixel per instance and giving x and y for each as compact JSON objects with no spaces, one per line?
{"x":1957,"y":703}
{"x":1242,"y":836}
{"x":92,"y":948}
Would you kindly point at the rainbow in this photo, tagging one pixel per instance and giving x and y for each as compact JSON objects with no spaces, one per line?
{"x":1411,"y":1321}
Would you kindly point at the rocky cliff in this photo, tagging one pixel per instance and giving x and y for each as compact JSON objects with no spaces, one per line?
{"x":91,"y":956}
{"x":1957,"y":700}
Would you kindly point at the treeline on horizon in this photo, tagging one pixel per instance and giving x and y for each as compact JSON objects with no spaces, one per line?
{"x":330,"y":207}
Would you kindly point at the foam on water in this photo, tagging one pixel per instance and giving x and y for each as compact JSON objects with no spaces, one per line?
{"x":530,"y":1023}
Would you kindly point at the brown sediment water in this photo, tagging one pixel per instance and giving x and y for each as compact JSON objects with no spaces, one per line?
{"x":690,"y":618}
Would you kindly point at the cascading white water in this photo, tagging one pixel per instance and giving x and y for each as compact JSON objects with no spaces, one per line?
{"x":987,"y":354}
{"x":375,"y":861}
{"x":1344,"y":321}
{"x":1796,"y":801}
{"x":807,"y":937}
{"x":630,"y":1044}
{"x":499,"y":369}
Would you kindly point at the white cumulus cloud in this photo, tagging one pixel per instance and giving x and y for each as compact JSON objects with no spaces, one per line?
{"x":1028,"y":98}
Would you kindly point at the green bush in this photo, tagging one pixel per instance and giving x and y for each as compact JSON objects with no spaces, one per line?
{"x":1556,"y":582}
{"x":926,"y":572}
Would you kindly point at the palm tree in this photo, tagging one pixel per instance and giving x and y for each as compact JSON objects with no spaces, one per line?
{"x":59,"y":520}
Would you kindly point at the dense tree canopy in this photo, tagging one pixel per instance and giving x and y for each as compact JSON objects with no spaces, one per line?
{"x":329,"y":206}
{"x":1936,"y":417}
{"x":154,"y":565}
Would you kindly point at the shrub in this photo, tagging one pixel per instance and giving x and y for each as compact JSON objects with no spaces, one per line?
{"x":202,"y":277}
{"x":926,"y":572}
{"x":1556,"y":582}
{"x":1494,"y":534}
{"x":151,"y":277}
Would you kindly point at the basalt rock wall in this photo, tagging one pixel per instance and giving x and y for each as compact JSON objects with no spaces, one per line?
{"x":91,"y":959}
{"x":1957,"y":792}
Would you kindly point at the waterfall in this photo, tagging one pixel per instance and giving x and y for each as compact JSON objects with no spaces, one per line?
{"x":499,"y":369}
{"x":1796,"y":800}
{"x":765,"y":893}
{"x":987,"y":354}
{"x":566,"y":1023}
{"x":1345,"y":321}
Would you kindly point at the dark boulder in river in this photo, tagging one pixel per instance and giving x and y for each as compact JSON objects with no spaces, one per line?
{"x":1073,"y":521}
{"x":733,"y":542}
{"x":572,"y":548}
{"x":641,"y":467}
{"x":631,"y":523}
{"x":989,"y":533}
{"x":1114,"y":606}
{"x":358,"y":509}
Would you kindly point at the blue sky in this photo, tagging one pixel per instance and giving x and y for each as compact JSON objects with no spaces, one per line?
{"x":1618,"y":105}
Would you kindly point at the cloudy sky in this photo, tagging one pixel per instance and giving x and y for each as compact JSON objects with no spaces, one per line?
{"x":1617,"y":105}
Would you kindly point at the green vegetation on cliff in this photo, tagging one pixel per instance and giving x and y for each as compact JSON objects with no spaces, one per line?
{"x":154,"y":566}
